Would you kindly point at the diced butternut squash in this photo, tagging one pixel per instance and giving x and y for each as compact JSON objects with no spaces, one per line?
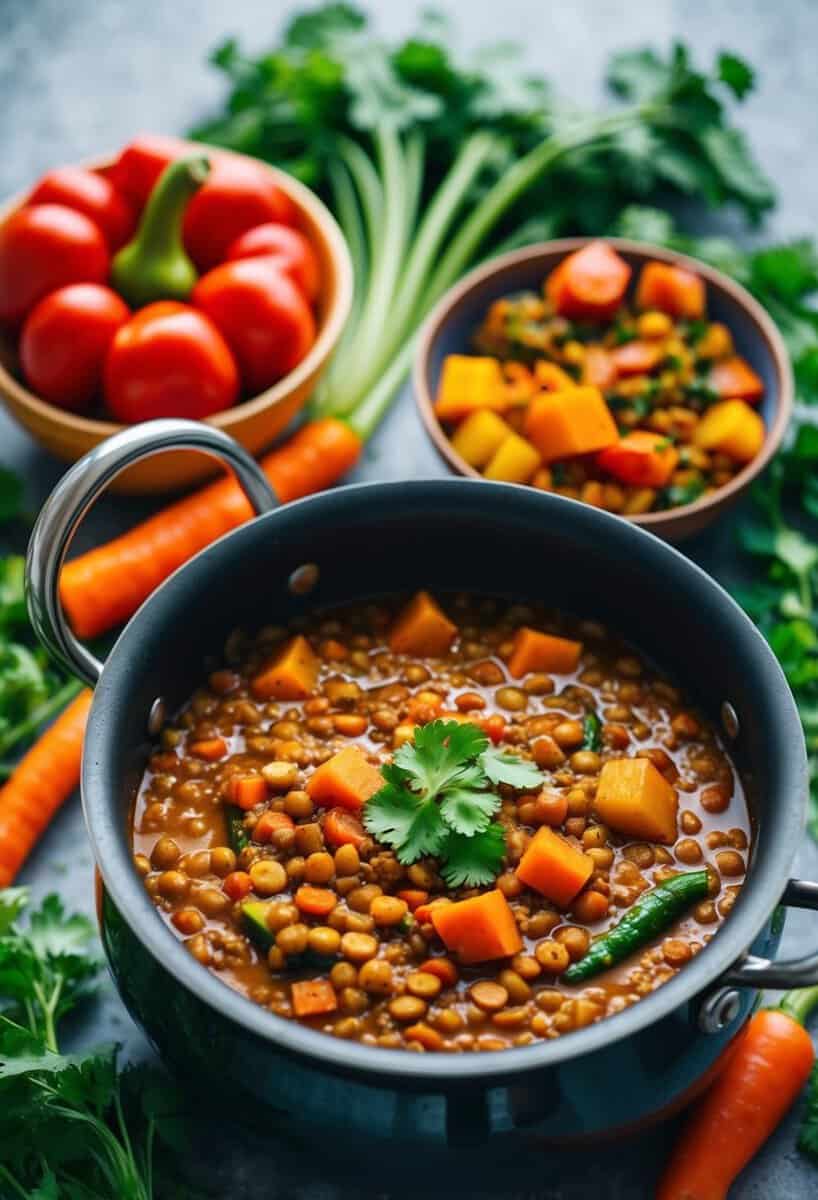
{"x":732,"y":428}
{"x":554,"y":867}
{"x":292,"y":674}
{"x":552,"y":378}
{"x":672,"y":290}
{"x":313,"y":998}
{"x":589,"y":284}
{"x":346,"y":780}
{"x":477,"y":438}
{"x":478,"y":930}
{"x":640,"y":458}
{"x":598,"y":368}
{"x":535,"y":651}
{"x":564,"y":424}
{"x":715,"y":342}
{"x":634,"y":798}
{"x":468,"y":383}
{"x":246,"y":791}
{"x":514,"y":461}
{"x":637,"y":357}
{"x":422,"y":628}
{"x":734,"y":379}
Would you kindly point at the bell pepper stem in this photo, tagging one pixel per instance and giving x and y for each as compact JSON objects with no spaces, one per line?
{"x":800,"y":1003}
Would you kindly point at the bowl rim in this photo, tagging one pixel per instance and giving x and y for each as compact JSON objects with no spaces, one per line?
{"x":766,"y":330}
{"x":113,"y":855}
{"x":329,"y":332}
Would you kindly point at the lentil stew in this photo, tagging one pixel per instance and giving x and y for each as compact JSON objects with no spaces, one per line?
{"x":250,"y":825}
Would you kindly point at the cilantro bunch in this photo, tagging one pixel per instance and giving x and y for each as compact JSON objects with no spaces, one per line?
{"x":71,"y":1126}
{"x":439,"y":800}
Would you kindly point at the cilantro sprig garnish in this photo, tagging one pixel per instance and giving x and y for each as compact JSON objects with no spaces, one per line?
{"x":438,"y":800}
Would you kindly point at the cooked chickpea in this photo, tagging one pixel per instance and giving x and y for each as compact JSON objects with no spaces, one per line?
{"x":324,"y":940}
{"x":222,"y":861}
{"x":360,"y":898}
{"x":188,"y":921}
{"x":319,"y":867}
{"x":298,"y":805}
{"x":142,"y":864}
{"x":342,"y":975}
{"x":353,"y":999}
{"x":407,"y":1008}
{"x":585,"y":762}
{"x":689,"y":822}
{"x":165,"y":854}
{"x":424,"y":984}
{"x":358,"y":947}
{"x":512,"y":699}
{"x":730,"y":863}
{"x":552,"y":956}
{"x":488,"y":996}
{"x":293,"y":939}
{"x":568,"y":735}
{"x":268,"y":877}
{"x":173,"y":885}
{"x":347,"y":860}
{"x":376,"y":976}
{"x":350,"y":724}
{"x":574,"y":939}
{"x":688,"y":851}
{"x":388,"y":910}
{"x":309,"y":838}
{"x":280,"y":776}
{"x":590,"y":906}
{"x":546,"y":753}
{"x":518,"y":990}
{"x":715,"y":799}
{"x":281,"y":914}
{"x":542,"y":922}
{"x":211,"y":901}
{"x":676,"y":952}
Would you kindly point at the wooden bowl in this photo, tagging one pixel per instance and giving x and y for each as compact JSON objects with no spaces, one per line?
{"x":254,"y":423}
{"x":451,"y":325}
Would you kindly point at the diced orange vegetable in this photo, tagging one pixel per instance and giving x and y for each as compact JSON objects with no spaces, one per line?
{"x":414,"y":897}
{"x":734,"y":379}
{"x":589,"y":284}
{"x":514,"y":461}
{"x":634,"y":798}
{"x":672,"y":290}
{"x":535,"y":651}
{"x":341,"y":828}
{"x":554,"y":868}
{"x":716,"y":342}
{"x":269,"y":823}
{"x":313,"y":997}
{"x":315,"y":901}
{"x":468,"y":383}
{"x":479,"y":929}
{"x":477,"y":438}
{"x":247,"y":791}
{"x":210,"y":749}
{"x":598,"y":368}
{"x":637,"y":357}
{"x":564,"y":424}
{"x":732,"y":428}
{"x":237,"y":885}
{"x":552,"y":378}
{"x":347,"y":779}
{"x":422,"y":628}
{"x":423,"y":708}
{"x":292,"y":675}
{"x":443,"y":968}
{"x":494,"y":727}
{"x":429,"y":1038}
{"x":640,"y":458}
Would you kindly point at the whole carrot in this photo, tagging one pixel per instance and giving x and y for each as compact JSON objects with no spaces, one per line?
{"x":42,"y":780}
{"x":731,"y":1122}
{"x":104,"y":587}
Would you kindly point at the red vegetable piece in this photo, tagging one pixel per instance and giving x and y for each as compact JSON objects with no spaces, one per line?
{"x":92,"y":194}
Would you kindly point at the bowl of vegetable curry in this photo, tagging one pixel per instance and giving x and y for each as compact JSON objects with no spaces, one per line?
{"x":626,"y":376}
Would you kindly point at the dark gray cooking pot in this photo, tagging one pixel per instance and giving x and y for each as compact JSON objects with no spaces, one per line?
{"x":446,"y":535}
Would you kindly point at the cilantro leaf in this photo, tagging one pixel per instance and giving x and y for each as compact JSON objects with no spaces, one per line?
{"x":736,"y":73}
{"x":468,"y":812}
{"x":509,"y":769}
{"x":439,"y":754}
{"x":473,"y":861}
{"x":410,"y":823}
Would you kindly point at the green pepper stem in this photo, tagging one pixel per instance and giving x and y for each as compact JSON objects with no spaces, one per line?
{"x":799,"y":1003}
{"x":160,"y":230}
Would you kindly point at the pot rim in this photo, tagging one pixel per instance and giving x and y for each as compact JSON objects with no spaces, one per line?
{"x":766,"y":331}
{"x":752,"y":911}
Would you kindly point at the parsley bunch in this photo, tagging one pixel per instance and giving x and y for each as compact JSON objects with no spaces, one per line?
{"x":438,"y":800}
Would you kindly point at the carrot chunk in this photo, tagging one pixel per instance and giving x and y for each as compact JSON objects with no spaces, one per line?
{"x":246,"y":791}
{"x":640,"y":458}
{"x":535,"y":651}
{"x":269,"y":823}
{"x":672,"y":290}
{"x":422,"y":628}
{"x":414,"y":897}
{"x":313,"y":997}
{"x":553,"y":867}
{"x":292,"y":674}
{"x":316,"y":901}
{"x":468,"y":383}
{"x":478,"y":929}
{"x":210,"y":749}
{"x":429,"y":1038}
{"x":589,"y":284}
{"x":341,"y":828}
{"x":562,"y":424}
{"x":734,"y":379}
{"x":598,"y":368}
{"x":637,"y":357}
{"x":634,"y":798}
{"x":347,"y":780}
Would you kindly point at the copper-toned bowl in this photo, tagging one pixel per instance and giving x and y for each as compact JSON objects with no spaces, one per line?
{"x":254,"y":422}
{"x":450,"y":328}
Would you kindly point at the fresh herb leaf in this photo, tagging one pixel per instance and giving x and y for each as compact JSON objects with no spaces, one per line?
{"x":437,"y":800}
{"x":737,"y":74}
{"x":592,"y":732}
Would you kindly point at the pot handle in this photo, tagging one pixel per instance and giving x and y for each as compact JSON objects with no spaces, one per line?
{"x":755,"y":972}
{"x":76,"y":492}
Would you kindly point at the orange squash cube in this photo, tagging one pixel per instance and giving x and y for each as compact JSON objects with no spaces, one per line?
{"x":422,"y":628}
{"x":563,"y":424}
{"x":479,"y":929}
{"x":468,"y":383}
{"x":634,"y":798}
{"x":346,"y":780}
{"x":554,"y":868}
{"x":535,"y":651}
{"x":292,"y":674}
{"x":673,"y":290}
{"x":734,"y":379}
{"x":641,"y":459}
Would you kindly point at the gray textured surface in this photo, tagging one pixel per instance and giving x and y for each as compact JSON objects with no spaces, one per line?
{"x":78,"y":78}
